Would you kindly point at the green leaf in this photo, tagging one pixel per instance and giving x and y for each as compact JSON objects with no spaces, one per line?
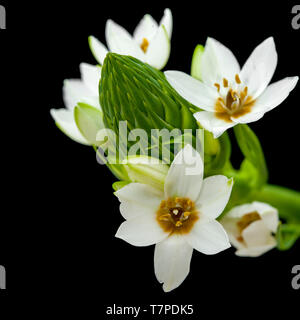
{"x":89,"y":121}
{"x":252,"y":151}
{"x":196,"y":62}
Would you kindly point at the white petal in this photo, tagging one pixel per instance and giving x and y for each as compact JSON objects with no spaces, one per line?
{"x":256,"y":234}
{"x":230,"y":225}
{"x":208,"y":237}
{"x":185,"y":175}
{"x":130,"y":209}
{"x":158,"y":52}
{"x":75,"y":91}
{"x":120,"y":41}
{"x":146,"y":28}
{"x":256,"y":251}
{"x":140,"y":194}
{"x":268,"y":214}
{"x":91,"y":76}
{"x":167,"y":21}
{"x":141,"y":231}
{"x":239,"y":211}
{"x":98,"y":49}
{"x":271,"y":219}
{"x":212,"y":124}
{"x":275,"y":94}
{"x":194,"y":91}
{"x":260,"y":67}
{"x":234,"y":240}
{"x":218,"y":62}
{"x":214,"y":196}
{"x":172,"y":258}
{"x":64,"y":119}
{"x":249,"y":117}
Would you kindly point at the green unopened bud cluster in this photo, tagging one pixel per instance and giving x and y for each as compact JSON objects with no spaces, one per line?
{"x":139,"y":94}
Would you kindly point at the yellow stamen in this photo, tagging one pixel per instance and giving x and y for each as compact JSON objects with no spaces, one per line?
{"x":237,"y":79}
{"x":217,"y":86}
{"x":244,"y":93}
{"x":145,"y":45}
{"x":225,"y":83}
{"x":187,"y":214}
{"x":178,"y":224}
{"x":165,"y":217}
{"x":163,"y":203}
{"x":234,"y":95}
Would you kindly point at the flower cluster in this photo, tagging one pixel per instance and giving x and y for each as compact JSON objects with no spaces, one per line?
{"x":193,"y":198}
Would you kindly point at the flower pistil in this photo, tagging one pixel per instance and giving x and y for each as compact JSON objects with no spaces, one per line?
{"x":177,"y":215}
{"x":234,"y":100}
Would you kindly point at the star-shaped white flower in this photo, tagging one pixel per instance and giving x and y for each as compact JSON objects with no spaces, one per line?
{"x":150,"y":42}
{"x":251,"y":228}
{"x":230,"y":95}
{"x":178,"y":220}
{"x":83,"y":90}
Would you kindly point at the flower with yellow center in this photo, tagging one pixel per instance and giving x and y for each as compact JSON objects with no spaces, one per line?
{"x":230,"y":95}
{"x":179,"y":219}
{"x":251,"y":228}
{"x":150,"y":42}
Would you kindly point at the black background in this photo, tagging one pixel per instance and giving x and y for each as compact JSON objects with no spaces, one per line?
{"x":59,"y":214}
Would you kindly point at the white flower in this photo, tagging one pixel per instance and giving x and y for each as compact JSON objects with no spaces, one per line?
{"x":150,"y":42}
{"x":83,"y":90}
{"x":179,"y":219}
{"x":251,"y":227}
{"x":229,"y":95}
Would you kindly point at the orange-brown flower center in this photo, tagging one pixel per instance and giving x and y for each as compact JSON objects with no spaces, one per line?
{"x":245,"y":221}
{"x":235,"y":103}
{"x":177,"y":215}
{"x":145,"y":45}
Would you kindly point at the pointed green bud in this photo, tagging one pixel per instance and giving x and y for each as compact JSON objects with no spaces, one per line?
{"x":133,"y":91}
{"x":119,"y":185}
{"x":147,"y":170}
{"x":196,"y":62}
{"x":89,"y":121}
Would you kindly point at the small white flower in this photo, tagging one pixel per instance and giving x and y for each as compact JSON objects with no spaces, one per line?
{"x":179,"y":219}
{"x":83,"y":90}
{"x":251,"y":227}
{"x":150,"y":42}
{"x":229,"y":95}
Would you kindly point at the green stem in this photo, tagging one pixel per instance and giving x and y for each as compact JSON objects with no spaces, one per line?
{"x":287,"y":201}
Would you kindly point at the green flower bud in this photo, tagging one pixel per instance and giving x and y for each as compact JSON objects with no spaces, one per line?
{"x":141,"y":169}
{"x":133,"y":91}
